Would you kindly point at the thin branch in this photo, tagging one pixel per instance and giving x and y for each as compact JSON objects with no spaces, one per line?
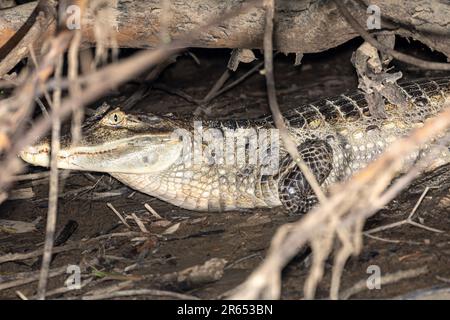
{"x":117,"y":213}
{"x":42,"y":86}
{"x":53,"y":191}
{"x":31,"y":277}
{"x":10,"y":257}
{"x":141,"y":292}
{"x":74,"y":87}
{"x":237,"y":81}
{"x":408,"y":220}
{"x":32,"y":176}
{"x":217,"y":86}
{"x":387,"y":279}
{"x":288,"y":142}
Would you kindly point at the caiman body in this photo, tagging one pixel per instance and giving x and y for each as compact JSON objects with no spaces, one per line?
{"x":336,"y":137}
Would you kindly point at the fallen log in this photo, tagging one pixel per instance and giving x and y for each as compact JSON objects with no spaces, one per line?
{"x":304,"y":26}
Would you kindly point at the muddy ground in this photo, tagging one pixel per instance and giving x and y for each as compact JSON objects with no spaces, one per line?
{"x":241,"y":238}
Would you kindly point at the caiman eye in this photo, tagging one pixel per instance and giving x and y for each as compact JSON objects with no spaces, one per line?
{"x":116,"y":118}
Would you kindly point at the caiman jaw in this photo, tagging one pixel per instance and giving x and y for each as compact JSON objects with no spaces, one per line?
{"x":129,"y":155}
{"x":39,"y":154}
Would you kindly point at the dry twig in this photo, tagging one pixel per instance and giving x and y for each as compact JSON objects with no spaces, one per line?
{"x":140,"y":292}
{"x":29,"y":277}
{"x":387,"y":279}
{"x":72,"y":246}
{"x":109,"y":205}
{"x":53,"y":191}
{"x":408,"y":220}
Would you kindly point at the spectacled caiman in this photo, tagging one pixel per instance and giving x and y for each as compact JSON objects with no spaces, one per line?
{"x":335,"y":137}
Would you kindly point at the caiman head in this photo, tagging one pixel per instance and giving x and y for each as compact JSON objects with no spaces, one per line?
{"x":116,"y":142}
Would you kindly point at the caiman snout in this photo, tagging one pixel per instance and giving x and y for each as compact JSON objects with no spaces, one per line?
{"x":38,"y":154}
{"x":118,"y":142}
{"x":130,"y":155}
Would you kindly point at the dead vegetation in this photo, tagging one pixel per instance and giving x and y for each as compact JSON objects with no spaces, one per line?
{"x":64,"y":78}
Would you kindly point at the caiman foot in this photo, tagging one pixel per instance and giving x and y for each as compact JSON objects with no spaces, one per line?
{"x":296,"y":194}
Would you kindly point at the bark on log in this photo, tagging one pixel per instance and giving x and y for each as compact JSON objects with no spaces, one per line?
{"x":303,"y":26}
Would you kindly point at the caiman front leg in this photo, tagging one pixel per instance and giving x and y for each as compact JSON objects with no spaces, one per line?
{"x":295,"y":193}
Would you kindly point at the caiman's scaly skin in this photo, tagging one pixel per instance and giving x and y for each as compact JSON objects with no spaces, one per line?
{"x":336,"y":137}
